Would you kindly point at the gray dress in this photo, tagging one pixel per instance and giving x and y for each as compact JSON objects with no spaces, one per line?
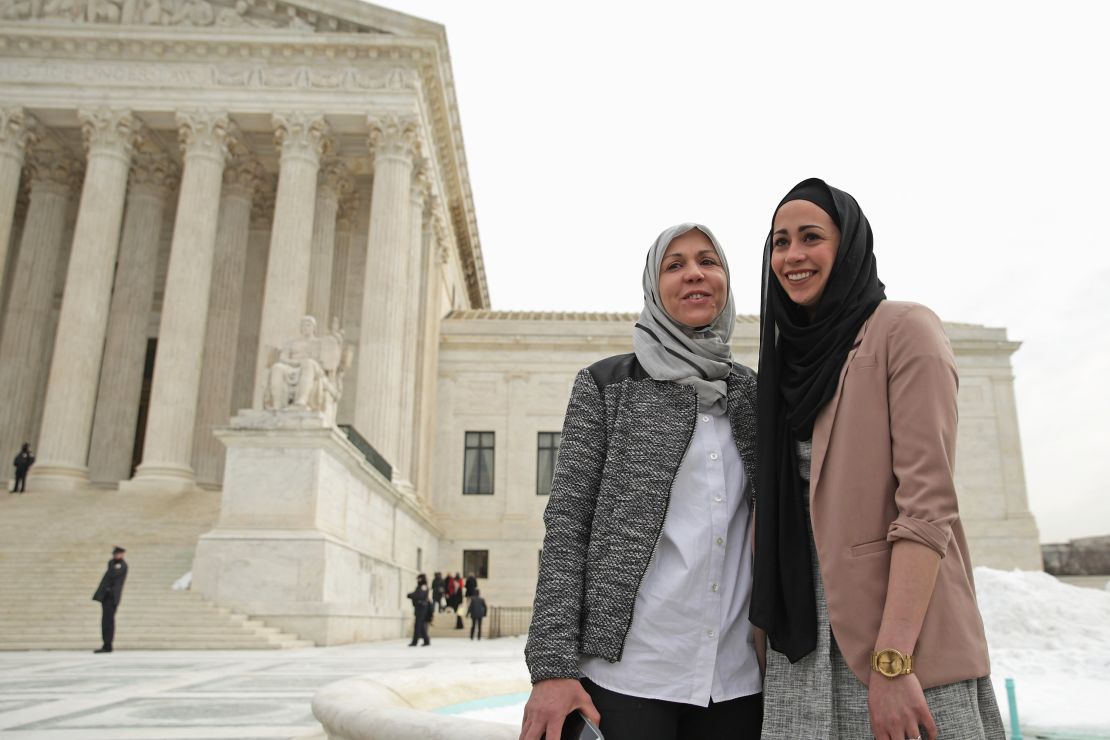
{"x":820,"y":697}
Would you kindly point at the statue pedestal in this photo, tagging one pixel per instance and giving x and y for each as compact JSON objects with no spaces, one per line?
{"x":311,"y":538}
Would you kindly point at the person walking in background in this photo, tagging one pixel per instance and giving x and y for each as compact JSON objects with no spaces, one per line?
{"x":23,"y":462}
{"x":108,"y":593}
{"x":477,"y":612}
{"x":863,"y":579}
{"x":471,"y":585}
{"x":421,"y":606}
{"x":438,"y":588}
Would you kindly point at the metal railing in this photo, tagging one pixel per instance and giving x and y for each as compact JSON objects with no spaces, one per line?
{"x":507,"y":621}
{"x":367,"y":451}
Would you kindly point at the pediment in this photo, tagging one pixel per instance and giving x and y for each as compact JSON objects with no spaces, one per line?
{"x":313,"y":16}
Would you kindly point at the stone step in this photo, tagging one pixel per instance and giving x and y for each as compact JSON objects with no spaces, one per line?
{"x":53,"y":552}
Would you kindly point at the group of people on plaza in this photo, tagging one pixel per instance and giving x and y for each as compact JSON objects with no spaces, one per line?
{"x":446,"y":593}
{"x":778,"y":555}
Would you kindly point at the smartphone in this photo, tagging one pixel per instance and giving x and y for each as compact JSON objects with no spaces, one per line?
{"x":577,"y":727}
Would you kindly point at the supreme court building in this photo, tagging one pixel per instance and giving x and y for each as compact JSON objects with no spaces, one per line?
{"x":181,"y":181}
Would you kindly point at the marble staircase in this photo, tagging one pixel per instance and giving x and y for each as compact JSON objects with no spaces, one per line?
{"x":53,"y":551}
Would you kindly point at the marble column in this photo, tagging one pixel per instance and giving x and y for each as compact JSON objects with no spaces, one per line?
{"x":17,"y":132}
{"x":405,"y":475}
{"x":352,"y":301}
{"x":378,"y":416}
{"x":254,"y":281}
{"x":221,"y":340}
{"x":344,"y":225}
{"x":167,"y":448}
{"x":110,"y":136}
{"x":153,"y":179}
{"x":302,"y":138}
{"x":427,"y":369}
{"x":333,"y":184}
{"x":55,"y":177}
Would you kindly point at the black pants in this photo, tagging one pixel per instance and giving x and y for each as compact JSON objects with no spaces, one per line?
{"x":476,"y":624}
{"x":107,"y":622}
{"x":420,"y":626}
{"x":20,"y":480}
{"x":632,"y":718}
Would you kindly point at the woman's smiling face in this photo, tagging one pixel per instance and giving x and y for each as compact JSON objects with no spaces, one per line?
{"x":692,"y":281}
{"x":804,"y":241}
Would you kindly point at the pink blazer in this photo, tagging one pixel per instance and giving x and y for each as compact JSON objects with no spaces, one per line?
{"x":882,"y":470}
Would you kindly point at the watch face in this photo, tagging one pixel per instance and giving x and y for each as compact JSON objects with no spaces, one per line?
{"x":890,"y":663}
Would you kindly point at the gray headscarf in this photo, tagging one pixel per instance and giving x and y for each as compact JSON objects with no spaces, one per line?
{"x":668,"y":350}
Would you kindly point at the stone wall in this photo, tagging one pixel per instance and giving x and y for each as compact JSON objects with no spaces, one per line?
{"x":1089,"y":556}
{"x":511,"y":374}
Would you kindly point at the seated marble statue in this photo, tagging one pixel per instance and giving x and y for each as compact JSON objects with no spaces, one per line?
{"x":307,"y":372}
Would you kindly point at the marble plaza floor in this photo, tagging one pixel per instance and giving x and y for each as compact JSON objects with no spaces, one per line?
{"x":192,"y":695}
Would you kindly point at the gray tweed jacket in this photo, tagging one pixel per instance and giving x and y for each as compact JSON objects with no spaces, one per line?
{"x":624,"y":438}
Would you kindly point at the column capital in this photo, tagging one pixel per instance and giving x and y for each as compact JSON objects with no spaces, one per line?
{"x":55,"y":167}
{"x":262,"y":206}
{"x":348,"y":210}
{"x":334,"y":180}
{"x":302,"y":135}
{"x":394,"y":136}
{"x":109,"y":130}
{"x":203,"y":133}
{"x":18,"y":131}
{"x":442,"y":237}
{"x":421,"y":185}
{"x":244,"y":176}
{"x":154,"y":172}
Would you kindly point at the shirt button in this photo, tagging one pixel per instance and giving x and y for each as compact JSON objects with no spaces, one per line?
{"x":718,"y":498}
{"x":705,"y":418}
{"x":714,"y":588}
{"x":720,"y":540}
{"x":713,"y":455}
{"x":709,"y":633}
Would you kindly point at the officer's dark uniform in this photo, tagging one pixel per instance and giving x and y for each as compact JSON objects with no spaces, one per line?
{"x":421,"y":608}
{"x":108,"y":594}
{"x":22,"y":462}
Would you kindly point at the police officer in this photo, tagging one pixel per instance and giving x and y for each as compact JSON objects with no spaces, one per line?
{"x":108,"y":594}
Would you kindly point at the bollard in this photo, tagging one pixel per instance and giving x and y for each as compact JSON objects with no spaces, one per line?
{"x":1015,"y":728}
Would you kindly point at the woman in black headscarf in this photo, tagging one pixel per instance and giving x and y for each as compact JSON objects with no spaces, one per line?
{"x":862,"y":578}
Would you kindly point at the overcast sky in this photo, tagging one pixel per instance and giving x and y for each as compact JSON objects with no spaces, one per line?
{"x":973,"y":134}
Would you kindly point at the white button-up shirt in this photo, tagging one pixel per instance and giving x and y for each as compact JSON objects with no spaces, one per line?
{"x":690,"y":640}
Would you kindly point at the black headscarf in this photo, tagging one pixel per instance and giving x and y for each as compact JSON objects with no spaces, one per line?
{"x":799,"y":367}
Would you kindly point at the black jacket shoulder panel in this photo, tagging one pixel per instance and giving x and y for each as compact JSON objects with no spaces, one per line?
{"x":615,"y":369}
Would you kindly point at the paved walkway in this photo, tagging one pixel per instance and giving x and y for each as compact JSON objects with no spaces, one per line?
{"x":190,"y":695}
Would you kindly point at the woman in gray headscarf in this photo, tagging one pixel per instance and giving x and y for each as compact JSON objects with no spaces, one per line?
{"x":641,"y":612}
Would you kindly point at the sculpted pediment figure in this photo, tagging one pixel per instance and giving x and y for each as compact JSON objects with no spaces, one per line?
{"x":239,"y":14}
{"x":306,"y":373}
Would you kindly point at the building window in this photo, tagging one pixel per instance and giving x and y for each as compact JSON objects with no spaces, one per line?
{"x":478,"y":463}
{"x":419,"y":559}
{"x":476,"y":562}
{"x":547,"y":451}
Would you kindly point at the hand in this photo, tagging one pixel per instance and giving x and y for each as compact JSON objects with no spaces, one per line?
{"x":759,"y":636}
{"x":898,"y":708}
{"x":550,"y":703}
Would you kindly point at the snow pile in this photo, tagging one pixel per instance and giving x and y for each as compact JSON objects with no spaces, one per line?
{"x":1053,"y":639}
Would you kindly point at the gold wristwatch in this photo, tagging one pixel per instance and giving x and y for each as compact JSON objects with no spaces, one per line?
{"x":892,"y":663}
